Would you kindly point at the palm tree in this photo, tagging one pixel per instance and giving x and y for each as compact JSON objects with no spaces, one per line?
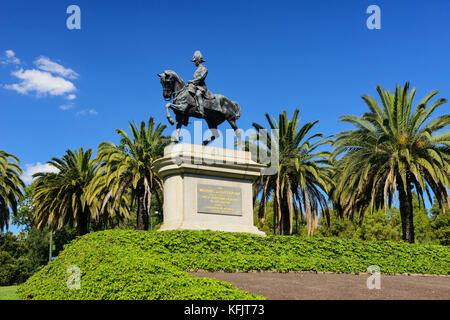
{"x":129,"y":166}
{"x":302,"y":178}
{"x":60,"y":198}
{"x":11,"y":187}
{"x":392,"y":150}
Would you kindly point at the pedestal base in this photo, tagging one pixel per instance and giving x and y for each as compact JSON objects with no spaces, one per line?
{"x":208,"y":188}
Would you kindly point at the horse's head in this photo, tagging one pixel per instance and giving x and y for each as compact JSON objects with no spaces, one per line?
{"x":169,"y":80}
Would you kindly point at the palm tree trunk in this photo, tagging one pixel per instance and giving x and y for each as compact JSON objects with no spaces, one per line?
{"x":82,"y":222}
{"x":296,"y":222}
{"x":142,"y":222}
{"x":278,"y":203}
{"x":309,"y":217}
{"x":406,"y":212}
{"x":290,"y":204}
{"x":275,"y":215}
{"x":284,"y":218}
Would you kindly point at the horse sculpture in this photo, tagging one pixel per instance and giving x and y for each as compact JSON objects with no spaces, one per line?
{"x":215,"y":111}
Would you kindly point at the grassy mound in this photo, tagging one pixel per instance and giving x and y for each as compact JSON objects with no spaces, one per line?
{"x":122,"y":264}
{"x":111,"y":270}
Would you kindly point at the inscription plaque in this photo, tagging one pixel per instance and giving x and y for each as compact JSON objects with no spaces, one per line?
{"x":219,"y":200}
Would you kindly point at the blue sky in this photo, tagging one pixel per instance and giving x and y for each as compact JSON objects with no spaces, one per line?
{"x":270,"y":56}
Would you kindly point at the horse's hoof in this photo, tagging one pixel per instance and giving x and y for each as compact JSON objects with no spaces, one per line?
{"x":171,"y":121}
{"x":175,"y":140}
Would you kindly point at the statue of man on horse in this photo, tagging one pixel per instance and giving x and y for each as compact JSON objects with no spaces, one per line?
{"x":195,"y":100}
{"x":197,"y":86}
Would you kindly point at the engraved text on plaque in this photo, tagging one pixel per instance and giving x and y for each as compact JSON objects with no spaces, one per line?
{"x":219,"y":199}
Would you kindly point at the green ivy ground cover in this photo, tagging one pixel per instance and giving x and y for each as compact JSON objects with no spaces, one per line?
{"x":123,"y":264}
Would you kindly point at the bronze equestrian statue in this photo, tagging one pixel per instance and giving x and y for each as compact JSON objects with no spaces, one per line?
{"x":195,"y":100}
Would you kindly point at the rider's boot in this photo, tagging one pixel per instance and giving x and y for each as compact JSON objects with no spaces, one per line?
{"x":200,"y":103}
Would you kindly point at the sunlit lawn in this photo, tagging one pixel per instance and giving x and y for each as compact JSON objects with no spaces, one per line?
{"x":8,"y":293}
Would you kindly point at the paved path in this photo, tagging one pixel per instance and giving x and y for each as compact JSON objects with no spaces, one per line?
{"x":318,"y":286}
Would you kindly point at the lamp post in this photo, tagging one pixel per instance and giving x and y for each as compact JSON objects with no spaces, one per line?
{"x":50,"y":247}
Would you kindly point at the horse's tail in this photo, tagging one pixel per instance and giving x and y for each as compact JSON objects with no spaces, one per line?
{"x":238,"y":109}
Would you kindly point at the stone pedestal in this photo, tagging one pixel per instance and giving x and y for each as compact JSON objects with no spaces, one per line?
{"x":208,"y":188}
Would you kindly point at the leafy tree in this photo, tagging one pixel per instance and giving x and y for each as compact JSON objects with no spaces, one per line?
{"x":11,"y":187}
{"x":422,"y":222}
{"x":24,"y":254}
{"x":130,"y":167}
{"x":60,"y":198}
{"x":440,"y":223}
{"x":33,"y":243}
{"x":14,"y":265}
{"x":380,"y":225}
{"x":337,"y":227}
{"x":267,"y":222}
{"x":38,"y":241}
{"x":302,"y":179}
{"x":24,"y":216}
{"x":386,"y":225}
{"x":392,"y":151}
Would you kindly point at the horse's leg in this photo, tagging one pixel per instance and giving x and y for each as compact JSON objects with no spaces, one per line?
{"x":215,"y":133}
{"x":169,"y":118}
{"x":185,"y":120}
{"x":176,"y":139}
{"x":236,"y":132}
{"x":179,"y":119}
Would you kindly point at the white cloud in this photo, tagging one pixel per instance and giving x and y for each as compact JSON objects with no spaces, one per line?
{"x":31,"y":169}
{"x":48,"y":78}
{"x":41,"y":82}
{"x":10,"y":58}
{"x":46,"y":64}
{"x":91,"y":112}
{"x":66,"y":106}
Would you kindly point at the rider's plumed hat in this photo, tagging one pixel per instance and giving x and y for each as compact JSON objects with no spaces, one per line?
{"x":198,"y":57}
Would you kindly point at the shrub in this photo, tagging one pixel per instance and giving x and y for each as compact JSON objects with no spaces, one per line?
{"x":112,"y":270}
{"x":123,"y":264}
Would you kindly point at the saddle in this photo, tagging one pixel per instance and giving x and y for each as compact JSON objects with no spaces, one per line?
{"x":209,"y":100}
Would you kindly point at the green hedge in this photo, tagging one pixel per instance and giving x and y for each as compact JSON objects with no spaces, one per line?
{"x":123,"y":264}
{"x":111,"y":270}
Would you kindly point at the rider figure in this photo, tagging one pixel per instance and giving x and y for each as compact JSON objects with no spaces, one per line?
{"x":197,"y":86}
